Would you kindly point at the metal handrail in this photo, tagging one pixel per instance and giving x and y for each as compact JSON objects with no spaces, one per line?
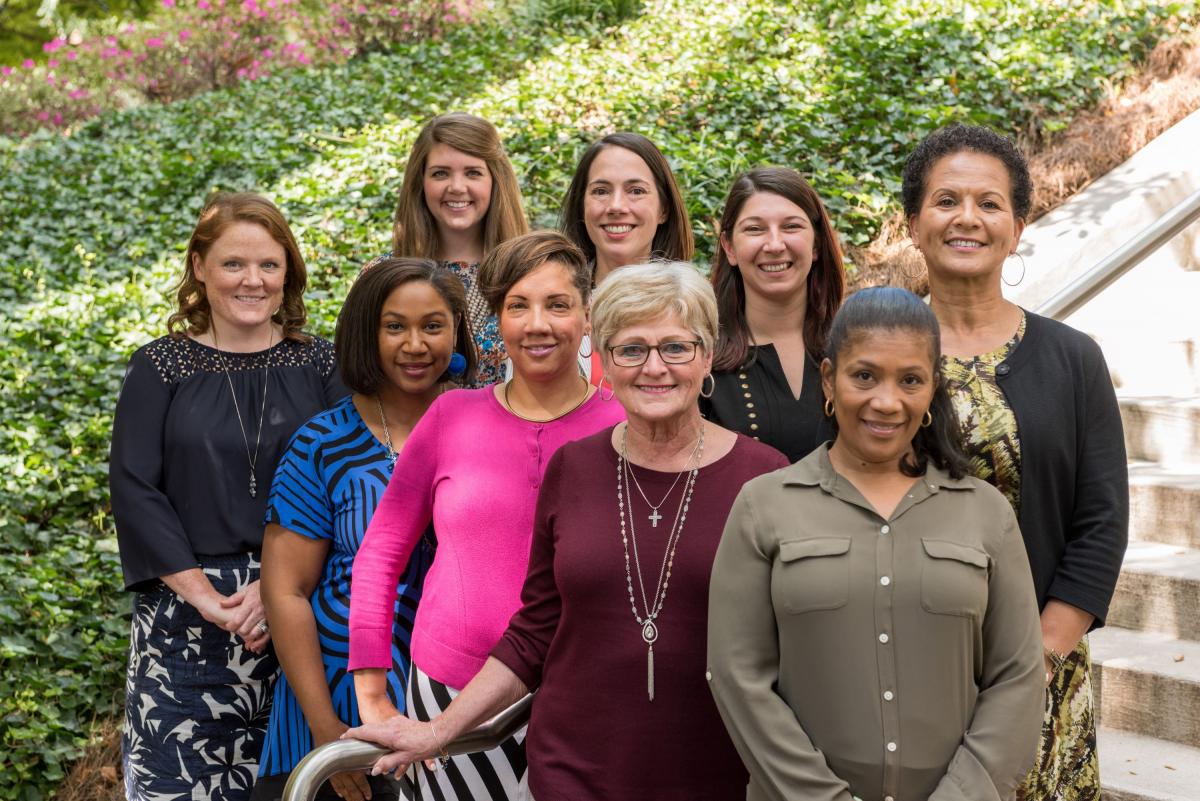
{"x":1070,"y":298}
{"x":332,"y":758}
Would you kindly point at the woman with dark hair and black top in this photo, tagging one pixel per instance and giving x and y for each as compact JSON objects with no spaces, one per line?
{"x":872,"y":628}
{"x":1040,"y":422}
{"x":779,"y":280}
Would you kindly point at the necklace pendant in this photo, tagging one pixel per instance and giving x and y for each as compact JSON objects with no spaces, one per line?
{"x":650,"y":632}
{"x":650,"y":672}
{"x":253,"y":486}
{"x":392,"y":457}
{"x":654,"y":517}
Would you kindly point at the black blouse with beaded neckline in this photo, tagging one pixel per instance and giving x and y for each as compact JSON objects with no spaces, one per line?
{"x":179,"y":472}
{"x":757,"y":401}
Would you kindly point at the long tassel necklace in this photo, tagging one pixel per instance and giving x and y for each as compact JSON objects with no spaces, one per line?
{"x":625,"y":476}
{"x":252,"y":460}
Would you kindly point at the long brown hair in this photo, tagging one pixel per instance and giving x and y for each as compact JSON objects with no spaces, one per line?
{"x":414,"y":231}
{"x":673,"y":237}
{"x":826,"y":279}
{"x":222,"y":209}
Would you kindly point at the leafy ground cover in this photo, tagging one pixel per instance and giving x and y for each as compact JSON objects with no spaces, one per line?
{"x":95,"y":223}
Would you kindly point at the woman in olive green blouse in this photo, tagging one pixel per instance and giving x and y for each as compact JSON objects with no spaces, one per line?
{"x":873,"y":628}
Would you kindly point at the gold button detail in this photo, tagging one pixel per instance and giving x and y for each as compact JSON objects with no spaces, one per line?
{"x":745,"y":386}
{"x":742,"y":376}
{"x":754,"y":426}
{"x":745,"y":394}
{"x":749,"y":405}
{"x":752,"y":415}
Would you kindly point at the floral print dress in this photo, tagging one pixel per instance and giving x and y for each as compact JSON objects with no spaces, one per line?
{"x":1067,"y":768}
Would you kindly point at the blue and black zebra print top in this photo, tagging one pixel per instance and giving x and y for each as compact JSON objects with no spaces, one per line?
{"x":327,"y":486}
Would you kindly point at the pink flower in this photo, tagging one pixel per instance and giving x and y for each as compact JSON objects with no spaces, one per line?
{"x":204,"y":5}
{"x":77,"y":94}
{"x":52,"y":63}
{"x":72,"y":55}
{"x":50,"y":79}
{"x":393,"y":12}
{"x":168,"y":3}
{"x":185,"y":34}
{"x":154,"y":42}
{"x":241,"y":73}
{"x":185,"y":61}
{"x":27,"y":63}
{"x":43,"y":116}
{"x":6,"y":70}
{"x":58,"y":118}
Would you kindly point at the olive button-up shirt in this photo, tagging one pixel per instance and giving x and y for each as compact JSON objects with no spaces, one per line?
{"x":853,"y":656}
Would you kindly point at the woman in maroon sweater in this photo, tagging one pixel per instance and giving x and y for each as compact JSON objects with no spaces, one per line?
{"x":612,"y":631}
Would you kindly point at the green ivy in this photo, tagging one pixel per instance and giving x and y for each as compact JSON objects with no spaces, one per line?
{"x":95,"y":223}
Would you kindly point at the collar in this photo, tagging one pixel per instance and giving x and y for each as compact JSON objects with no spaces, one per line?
{"x":815,"y":470}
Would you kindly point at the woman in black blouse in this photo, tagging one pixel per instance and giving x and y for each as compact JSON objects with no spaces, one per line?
{"x":203,"y":416}
{"x":779,"y":281}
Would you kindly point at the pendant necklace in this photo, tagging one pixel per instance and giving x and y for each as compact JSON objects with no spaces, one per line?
{"x":649,"y":623}
{"x":654,"y":516}
{"x":252,"y":460}
{"x":387,"y":436}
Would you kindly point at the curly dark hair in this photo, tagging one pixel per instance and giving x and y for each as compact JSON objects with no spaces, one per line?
{"x":886,"y":308}
{"x":954,"y":139}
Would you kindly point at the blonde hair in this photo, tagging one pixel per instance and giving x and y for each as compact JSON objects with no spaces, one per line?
{"x":193,"y":315}
{"x":642,"y":292}
{"x":414,"y":231}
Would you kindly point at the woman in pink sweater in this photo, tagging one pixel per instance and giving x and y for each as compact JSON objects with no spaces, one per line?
{"x":472,"y":467}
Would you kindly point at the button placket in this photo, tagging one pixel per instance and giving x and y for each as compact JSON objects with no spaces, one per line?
{"x":885,"y":650}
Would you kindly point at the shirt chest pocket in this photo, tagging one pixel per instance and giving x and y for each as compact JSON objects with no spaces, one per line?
{"x":954,"y":579}
{"x":813,"y":574}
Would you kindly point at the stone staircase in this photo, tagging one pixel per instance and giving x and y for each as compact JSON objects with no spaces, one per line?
{"x":1146,"y":661}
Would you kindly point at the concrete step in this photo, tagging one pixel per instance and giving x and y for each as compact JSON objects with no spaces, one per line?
{"x":1164,"y":504}
{"x":1147,"y":683}
{"x":1162,"y":428}
{"x":1138,"y":768}
{"x":1159,"y":590}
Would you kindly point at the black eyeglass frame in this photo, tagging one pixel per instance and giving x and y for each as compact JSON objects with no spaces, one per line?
{"x":696,"y":343}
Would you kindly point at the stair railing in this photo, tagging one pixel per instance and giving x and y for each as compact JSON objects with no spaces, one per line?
{"x":343,"y":755}
{"x":1075,"y":294}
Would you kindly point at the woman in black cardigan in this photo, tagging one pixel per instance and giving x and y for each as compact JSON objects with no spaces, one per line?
{"x":1040,"y":421}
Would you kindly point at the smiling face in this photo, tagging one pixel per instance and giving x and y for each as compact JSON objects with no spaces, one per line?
{"x":966,"y":225}
{"x":656,"y":391}
{"x":772,"y":244}
{"x":243,"y":274}
{"x":458,"y":190}
{"x":881,"y":388}
{"x":542,"y":321}
{"x":416,"y":337}
{"x":622,"y":208}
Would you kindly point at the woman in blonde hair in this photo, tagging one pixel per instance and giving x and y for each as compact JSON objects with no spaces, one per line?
{"x":203,"y":417}
{"x":459,"y":200}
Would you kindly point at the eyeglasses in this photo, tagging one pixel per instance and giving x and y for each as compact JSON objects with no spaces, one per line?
{"x":678,"y":352}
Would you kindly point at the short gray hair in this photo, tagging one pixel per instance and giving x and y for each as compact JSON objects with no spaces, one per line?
{"x":642,"y":292}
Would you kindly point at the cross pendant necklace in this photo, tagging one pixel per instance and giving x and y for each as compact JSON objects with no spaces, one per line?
{"x":654,"y":516}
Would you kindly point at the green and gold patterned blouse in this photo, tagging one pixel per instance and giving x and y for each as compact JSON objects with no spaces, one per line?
{"x":989,"y":426}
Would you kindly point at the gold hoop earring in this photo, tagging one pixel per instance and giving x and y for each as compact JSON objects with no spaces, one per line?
{"x":927,"y":420}
{"x":829,"y":407}
{"x":909,"y":274}
{"x":1019,"y":280}
{"x":711,"y":391}
{"x":612,"y":393}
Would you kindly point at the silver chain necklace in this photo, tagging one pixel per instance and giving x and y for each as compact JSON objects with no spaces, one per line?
{"x":252,"y":460}
{"x":654,"y":516}
{"x":387,"y":436}
{"x":649,"y":624}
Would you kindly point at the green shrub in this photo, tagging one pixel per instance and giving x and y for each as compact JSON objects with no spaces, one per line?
{"x":95,"y":223}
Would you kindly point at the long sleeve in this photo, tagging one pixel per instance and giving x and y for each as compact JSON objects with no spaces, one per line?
{"x":999,"y":744}
{"x":1099,"y":525}
{"x":743,"y":660}
{"x":402,"y":516}
{"x":152,"y":539}
{"x":525,"y":643}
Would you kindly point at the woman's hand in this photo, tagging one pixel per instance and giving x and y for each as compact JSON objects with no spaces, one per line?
{"x":407,"y":739}
{"x":247,"y":617}
{"x":352,"y":785}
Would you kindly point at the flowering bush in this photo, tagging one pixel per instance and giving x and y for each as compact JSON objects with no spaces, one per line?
{"x":203,"y":45}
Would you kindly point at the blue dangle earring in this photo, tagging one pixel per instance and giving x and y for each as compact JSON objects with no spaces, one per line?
{"x":458,"y":364}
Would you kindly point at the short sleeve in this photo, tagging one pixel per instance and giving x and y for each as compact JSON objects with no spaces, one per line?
{"x":151,"y":537}
{"x":299,"y":498}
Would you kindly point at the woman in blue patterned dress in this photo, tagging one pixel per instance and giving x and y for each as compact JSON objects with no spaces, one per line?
{"x":459,"y":200}
{"x":402,"y":333}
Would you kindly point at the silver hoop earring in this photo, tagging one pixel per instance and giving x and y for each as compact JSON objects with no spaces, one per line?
{"x":708,"y":394}
{"x":1019,"y":280}
{"x":588,"y":341}
{"x":600,"y":389}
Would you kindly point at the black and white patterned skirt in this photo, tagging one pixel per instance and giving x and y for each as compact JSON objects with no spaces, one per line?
{"x":495,"y":775}
{"x":196,"y":701}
